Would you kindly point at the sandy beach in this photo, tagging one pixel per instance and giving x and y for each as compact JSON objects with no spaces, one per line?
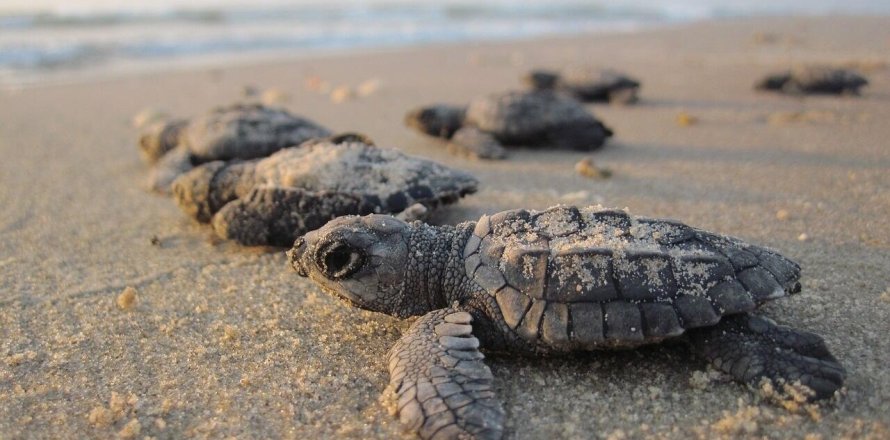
{"x":222,"y":341}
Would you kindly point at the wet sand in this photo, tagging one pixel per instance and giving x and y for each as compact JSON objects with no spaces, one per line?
{"x":218,"y":341}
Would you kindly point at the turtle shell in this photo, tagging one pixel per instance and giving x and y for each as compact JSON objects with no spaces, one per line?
{"x":569,"y":278}
{"x":825,"y":79}
{"x":521,"y":116}
{"x":589,"y":83}
{"x":246,"y":131}
{"x":386,"y":179}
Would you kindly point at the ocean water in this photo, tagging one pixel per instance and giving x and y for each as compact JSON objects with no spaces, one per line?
{"x":46,"y":38}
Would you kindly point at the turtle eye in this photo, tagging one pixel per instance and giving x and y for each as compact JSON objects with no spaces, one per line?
{"x":340,"y":260}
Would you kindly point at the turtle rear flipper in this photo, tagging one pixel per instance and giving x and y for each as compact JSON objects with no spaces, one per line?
{"x":751,"y":348}
{"x":444,"y":390}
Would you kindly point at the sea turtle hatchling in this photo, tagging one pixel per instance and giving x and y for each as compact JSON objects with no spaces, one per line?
{"x":586,"y":84}
{"x":557,"y":281}
{"x":814,"y":80}
{"x":239,"y":131}
{"x":542,"y":119}
{"x":273,"y":200}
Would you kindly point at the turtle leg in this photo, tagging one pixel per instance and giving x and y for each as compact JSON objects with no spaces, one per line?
{"x":171,"y":165}
{"x":417,"y":211}
{"x":751,"y":348}
{"x":444,"y":389}
{"x":585,"y":136}
{"x":276,"y":216}
{"x":470,"y":141}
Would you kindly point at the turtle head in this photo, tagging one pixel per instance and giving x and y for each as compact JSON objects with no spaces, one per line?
{"x":438,"y":120}
{"x":541,"y":79}
{"x":773,"y":82}
{"x":159,"y":137}
{"x":363,"y":260}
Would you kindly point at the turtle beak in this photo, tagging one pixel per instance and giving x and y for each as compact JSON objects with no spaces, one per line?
{"x":296,"y":257}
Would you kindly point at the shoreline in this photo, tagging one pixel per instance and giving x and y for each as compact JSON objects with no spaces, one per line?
{"x":122,"y":69}
{"x":116,"y":69}
{"x":219,"y":341}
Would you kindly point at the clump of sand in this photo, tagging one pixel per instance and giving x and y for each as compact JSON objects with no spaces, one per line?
{"x":685,"y":119}
{"x":587,"y":168}
{"x":127,"y":299}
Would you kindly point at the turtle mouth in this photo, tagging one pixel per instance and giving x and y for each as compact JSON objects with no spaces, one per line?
{"x":346,"y":297}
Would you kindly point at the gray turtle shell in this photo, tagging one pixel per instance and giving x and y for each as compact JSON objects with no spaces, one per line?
{"x":815,"y":79}
{"x":521,"y":116}
{"x":246,"y":131}
{"x":386,"y":179}
{"x":570,"y":278}
{"x":592,"y":83}
{"x":826,"y":79}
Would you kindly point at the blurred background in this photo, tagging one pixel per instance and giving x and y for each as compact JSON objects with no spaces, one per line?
{"x":61,"y":38}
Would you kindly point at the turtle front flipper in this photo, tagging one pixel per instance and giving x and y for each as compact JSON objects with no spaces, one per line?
{"x":751,"y":348}
{"x":470,"y":141}
{"x":417,"y":211}
{"x":444,"y":389}
{"x":270,"y":215}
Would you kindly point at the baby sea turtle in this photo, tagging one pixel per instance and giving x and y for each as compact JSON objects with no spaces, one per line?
{"x":814,"y":80}
{"x":532,"y":119}
{"x":587,"y":84}
{"x":557,"y":281}
{"x":240,"y":131}
{"x":274,"y":200}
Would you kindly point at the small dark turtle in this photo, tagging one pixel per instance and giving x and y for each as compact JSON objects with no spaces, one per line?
{"x":274,"y":200}
{"x":814,"y":80}
{"x":557,"y":281}
{"x":240,"y":131}
{"x":586,"y":84}
{"x":531,"y":119}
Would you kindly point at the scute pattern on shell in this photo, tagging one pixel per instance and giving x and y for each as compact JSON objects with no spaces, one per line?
{"x":522,"y":115}
{"x":585,"y":278}
{"x":385,"y":178}
{"x":247,"y":131}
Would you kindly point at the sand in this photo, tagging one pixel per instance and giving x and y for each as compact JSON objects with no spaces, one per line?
{"x":121,"y":317}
